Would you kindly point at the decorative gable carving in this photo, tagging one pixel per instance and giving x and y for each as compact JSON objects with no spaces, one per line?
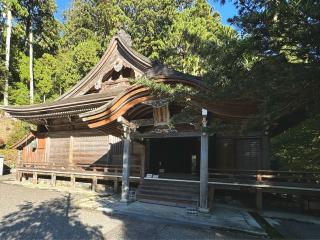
{"x":118,"y":64}
{"x":118,"y":77}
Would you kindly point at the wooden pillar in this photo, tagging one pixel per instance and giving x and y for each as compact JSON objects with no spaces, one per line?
{"x":47,"y":153}
{"x":211,"y":197}
{"x":19,"y":157}
{"x":18,"y":176}
{"x":142,"y":169}
{"x":125,"y":165}
{"x":147,"y":155}
{"x":53,"y":179}
{"x":71,"y":151}
{"x":265,"y":152}
{"x":115,"y":185}
{"x":203,"y":206}
{"x":94,"y":183}
{"x":73,"y":181}
{"x":259,"y":199}
{"x":35,"y":178}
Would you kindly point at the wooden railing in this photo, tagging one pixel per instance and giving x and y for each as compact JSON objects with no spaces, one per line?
{"x":267,"y":177}
{"x":135,"y":170}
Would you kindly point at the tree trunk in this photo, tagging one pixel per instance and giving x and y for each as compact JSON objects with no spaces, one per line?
{"x":31,"y":66}
{"x":8,"y":39}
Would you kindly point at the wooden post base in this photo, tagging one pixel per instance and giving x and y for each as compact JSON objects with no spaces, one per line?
{"x":53,"y":179}
{"x":94,"y":183}
{"x":35,"y":178}
{"x":73,"y":181}
{"x":116,"y":186}
{"x":211,"y":198}
{"x":259,"y":199}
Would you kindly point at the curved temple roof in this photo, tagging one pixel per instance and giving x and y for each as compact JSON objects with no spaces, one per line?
{"x":101,"y":108}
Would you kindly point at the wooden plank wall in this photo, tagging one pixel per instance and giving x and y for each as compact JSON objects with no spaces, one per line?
{"x":89,"y":148}
{"x":80,"y":147}
{"x":34,"y":155}
{"x":237,"y":153}
{"x":59,"y":148}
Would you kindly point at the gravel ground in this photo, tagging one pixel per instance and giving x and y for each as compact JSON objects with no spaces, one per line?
{"x":27,"y":213}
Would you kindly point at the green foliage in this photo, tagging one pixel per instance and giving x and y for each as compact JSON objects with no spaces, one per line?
{"x":277,"y":59}
{"x":171,"y":92}
{"x":85,"y":55}
{"x":10,"y":157}
{"x":194,"y":36}
{"x":38,"y":17}
{"x":298,"y":148}
{"x":19,"y":93}
{"x":23,"y":64}
{"x":45,"y":70}
{"x":20,"y":130}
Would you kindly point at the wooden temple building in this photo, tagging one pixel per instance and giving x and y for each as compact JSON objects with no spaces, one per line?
{"x":105,"y":128}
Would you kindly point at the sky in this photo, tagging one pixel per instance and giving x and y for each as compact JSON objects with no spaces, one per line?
{"x":226,"y":11}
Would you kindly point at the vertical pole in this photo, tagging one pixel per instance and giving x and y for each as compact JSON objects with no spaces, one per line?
{"x":265,"y":152}
{"x":71,"y":152}
{"x":73,"y":181}
{"x":211,"y":197}
{"x":204,"y":173}
{"x":142,"y":168}
{"x":8,"y":39}
{"x":115,"y":185}
{"x":19,"y":157}
{"x":53,"y":179}
{"x":204,"y":166}
{"x":126,"y":165}
{"x":1,"y":165}
{"x":18,"y":178}
{"x":94,"y":183}
{"x":31,"y":65}
{"x":147,"y":156}
{"x":259,"y":199}
{"x":35,"y":178}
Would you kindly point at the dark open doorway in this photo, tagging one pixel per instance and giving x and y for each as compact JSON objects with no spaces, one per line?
{"x":174,"y":155}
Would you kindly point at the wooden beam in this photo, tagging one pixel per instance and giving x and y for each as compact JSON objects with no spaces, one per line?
{"x":166,"y":135}
{"x":122,"y":120}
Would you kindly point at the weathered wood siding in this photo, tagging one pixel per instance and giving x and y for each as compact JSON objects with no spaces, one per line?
{"x":59,"y":148}
{"x":89,"y":148}
{"x":237,"y":153}
{"x":80,"y":147}
{"x":40,"y":150}
{"x":30,"y":155}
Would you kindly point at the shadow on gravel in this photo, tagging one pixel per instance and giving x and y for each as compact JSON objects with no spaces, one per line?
{"x":55,"y":219}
